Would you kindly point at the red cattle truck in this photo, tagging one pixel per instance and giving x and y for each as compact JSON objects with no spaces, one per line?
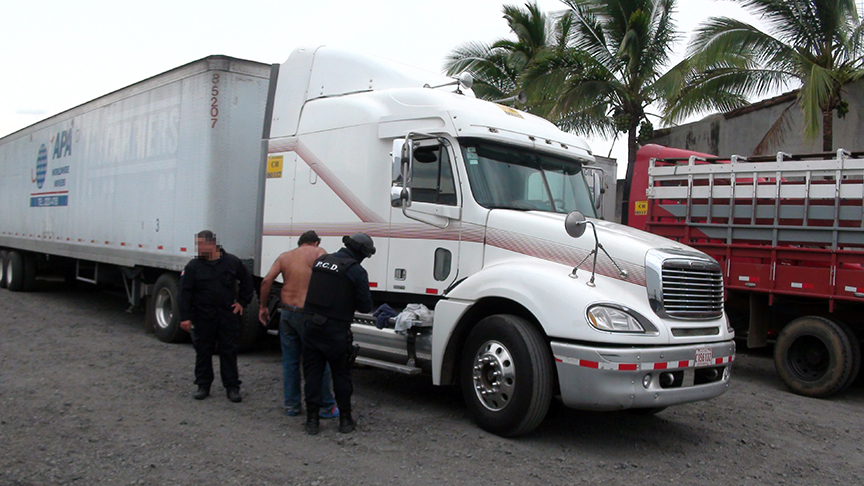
{"x":788,"y":232}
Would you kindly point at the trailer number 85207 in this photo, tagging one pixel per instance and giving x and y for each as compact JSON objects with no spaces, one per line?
{"x":214,"y":101}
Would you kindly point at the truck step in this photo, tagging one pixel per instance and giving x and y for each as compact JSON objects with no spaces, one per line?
{"x":386,"y":365}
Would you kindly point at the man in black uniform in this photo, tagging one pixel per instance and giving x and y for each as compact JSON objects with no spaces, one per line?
{"x":338,"y":287}
{"x":208,"y":299}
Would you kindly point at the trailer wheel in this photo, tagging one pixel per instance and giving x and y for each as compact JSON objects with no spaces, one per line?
{"x":3,"y":269}
{"x":815,"y":357}
{"x":166,"y":309}
{"x":250,"y":327}
{"x":506,"y":375}
{"x":20,"y":273}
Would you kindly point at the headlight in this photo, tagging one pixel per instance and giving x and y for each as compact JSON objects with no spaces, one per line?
{"x":618,"y":319}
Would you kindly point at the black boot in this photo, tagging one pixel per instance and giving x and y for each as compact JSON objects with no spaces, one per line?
{"x":312,"y":421}
{"x":346,"y":423}
{"x":202,"y":393}
{"x":234,"y":395}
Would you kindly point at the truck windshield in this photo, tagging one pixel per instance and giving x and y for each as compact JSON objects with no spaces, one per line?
{"x":507,"y":177}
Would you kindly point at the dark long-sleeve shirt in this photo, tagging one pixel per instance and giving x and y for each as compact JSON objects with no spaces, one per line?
{"x":208,"y":287}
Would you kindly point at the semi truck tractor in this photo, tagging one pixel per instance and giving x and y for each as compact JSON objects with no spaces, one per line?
{"x":479,"y":212}
{"x":788,"y":231}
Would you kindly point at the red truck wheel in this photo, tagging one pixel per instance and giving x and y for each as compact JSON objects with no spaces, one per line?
{"x":816,"y":357}
{"x":506,"y":375}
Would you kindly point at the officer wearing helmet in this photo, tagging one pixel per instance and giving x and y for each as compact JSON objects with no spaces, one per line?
{"x":338,"y":286}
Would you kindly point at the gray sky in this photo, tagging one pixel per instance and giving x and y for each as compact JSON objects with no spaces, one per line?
{"x":59,"y":54}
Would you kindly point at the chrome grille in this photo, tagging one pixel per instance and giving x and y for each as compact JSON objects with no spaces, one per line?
{"x":692,"y":291}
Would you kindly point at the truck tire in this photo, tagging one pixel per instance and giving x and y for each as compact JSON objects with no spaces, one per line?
{"x":20,"y":273}
{"x":3,"y":269}
{"x":506,"y":375}
{"x":250,"y":327}
{"x":855,"y":343}
{"x":815,"y":357}
{"x":165,"y":310}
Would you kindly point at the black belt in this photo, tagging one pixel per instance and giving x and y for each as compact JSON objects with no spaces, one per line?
{"x":290,"y":308}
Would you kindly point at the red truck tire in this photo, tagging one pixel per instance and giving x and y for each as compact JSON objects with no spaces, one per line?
{"x":817,"y":357}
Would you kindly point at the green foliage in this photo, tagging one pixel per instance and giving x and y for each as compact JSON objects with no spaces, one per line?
{"x":594,"y":69}
{"x":817,"y":43}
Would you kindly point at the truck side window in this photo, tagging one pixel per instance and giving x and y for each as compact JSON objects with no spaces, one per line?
{"x":433,"y":176}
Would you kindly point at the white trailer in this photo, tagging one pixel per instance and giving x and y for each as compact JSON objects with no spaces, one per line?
{"x":477,"y":210}
{"x":118,"y":187}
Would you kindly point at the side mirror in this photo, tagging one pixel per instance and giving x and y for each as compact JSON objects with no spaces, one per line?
{"x":400,"y":192}
{"x":396,"y":165}
{"x":598,"y":190}
{"x":405,"y":197}
{"x":395,"y":197}
{"x":574,"y":224}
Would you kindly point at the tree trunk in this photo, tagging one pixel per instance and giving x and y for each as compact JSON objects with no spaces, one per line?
{"x":828,"y":131}
{"x":626,"y":203}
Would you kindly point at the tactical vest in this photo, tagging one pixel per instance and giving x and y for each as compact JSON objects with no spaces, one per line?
{"x":331,"y":292}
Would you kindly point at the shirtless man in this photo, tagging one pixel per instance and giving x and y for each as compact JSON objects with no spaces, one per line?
{"x":296,"y":269}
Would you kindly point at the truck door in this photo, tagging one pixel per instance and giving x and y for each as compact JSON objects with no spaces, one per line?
{"x":424,"y":245}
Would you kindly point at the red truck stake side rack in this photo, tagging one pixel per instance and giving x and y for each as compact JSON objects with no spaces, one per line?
{"x":788,"y":232}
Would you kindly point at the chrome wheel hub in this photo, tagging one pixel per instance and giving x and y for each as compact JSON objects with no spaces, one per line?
{"x":164,"y":308}
{"x":494,"y":376}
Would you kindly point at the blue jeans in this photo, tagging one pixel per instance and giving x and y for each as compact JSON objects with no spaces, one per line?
{"x":291,"y":336}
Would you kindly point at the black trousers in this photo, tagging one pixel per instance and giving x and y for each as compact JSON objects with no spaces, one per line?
{"x":327,"y":343}
{"x":222,"y":329}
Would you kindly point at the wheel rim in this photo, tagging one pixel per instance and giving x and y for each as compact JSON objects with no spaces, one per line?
{"x":809,"y":358}
{"x":9,"y":274}
{"x":164,"y":308}
{"x":494,"y":375}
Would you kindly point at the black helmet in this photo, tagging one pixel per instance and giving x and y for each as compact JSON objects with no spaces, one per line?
{"x":361,"y":243}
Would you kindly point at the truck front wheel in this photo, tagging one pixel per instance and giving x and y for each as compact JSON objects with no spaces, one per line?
{"x":166,"y":309}
{"x":506,"y":375}
{"x":816,"y":357}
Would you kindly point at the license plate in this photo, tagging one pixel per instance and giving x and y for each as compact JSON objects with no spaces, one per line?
{"x":704,"y":357}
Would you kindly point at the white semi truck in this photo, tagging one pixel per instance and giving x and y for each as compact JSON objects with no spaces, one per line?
{"x":478,"y":211}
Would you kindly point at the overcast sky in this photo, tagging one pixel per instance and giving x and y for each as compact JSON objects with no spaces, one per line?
{"x":59,"y":54}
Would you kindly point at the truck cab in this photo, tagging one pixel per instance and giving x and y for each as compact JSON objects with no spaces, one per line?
{"x":482,"y":213}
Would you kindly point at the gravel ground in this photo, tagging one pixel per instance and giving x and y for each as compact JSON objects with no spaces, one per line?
{"x":86,"y":397}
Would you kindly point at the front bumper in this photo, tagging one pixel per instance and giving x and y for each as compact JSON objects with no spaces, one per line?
{"x":596,"y":378}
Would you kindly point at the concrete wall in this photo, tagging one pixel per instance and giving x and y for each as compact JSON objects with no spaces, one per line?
{"x":743,"y":131}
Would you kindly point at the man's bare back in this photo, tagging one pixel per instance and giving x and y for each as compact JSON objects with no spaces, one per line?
{"x":295,"y":266}
{"x":296,"y":269}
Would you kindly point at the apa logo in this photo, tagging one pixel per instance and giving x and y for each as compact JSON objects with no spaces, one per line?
{"x":41,"y":166}
{"x":62,"y":144}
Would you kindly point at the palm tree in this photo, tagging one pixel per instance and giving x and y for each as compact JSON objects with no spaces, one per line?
{"x":498,"y":68}
{"x":817,"y":43}
{"x":613,"y":68}
{"x":593,"y":70}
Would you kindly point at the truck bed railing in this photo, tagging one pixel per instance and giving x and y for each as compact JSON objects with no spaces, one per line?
{"x":788,"y":224}
{"x":784,"y":200}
